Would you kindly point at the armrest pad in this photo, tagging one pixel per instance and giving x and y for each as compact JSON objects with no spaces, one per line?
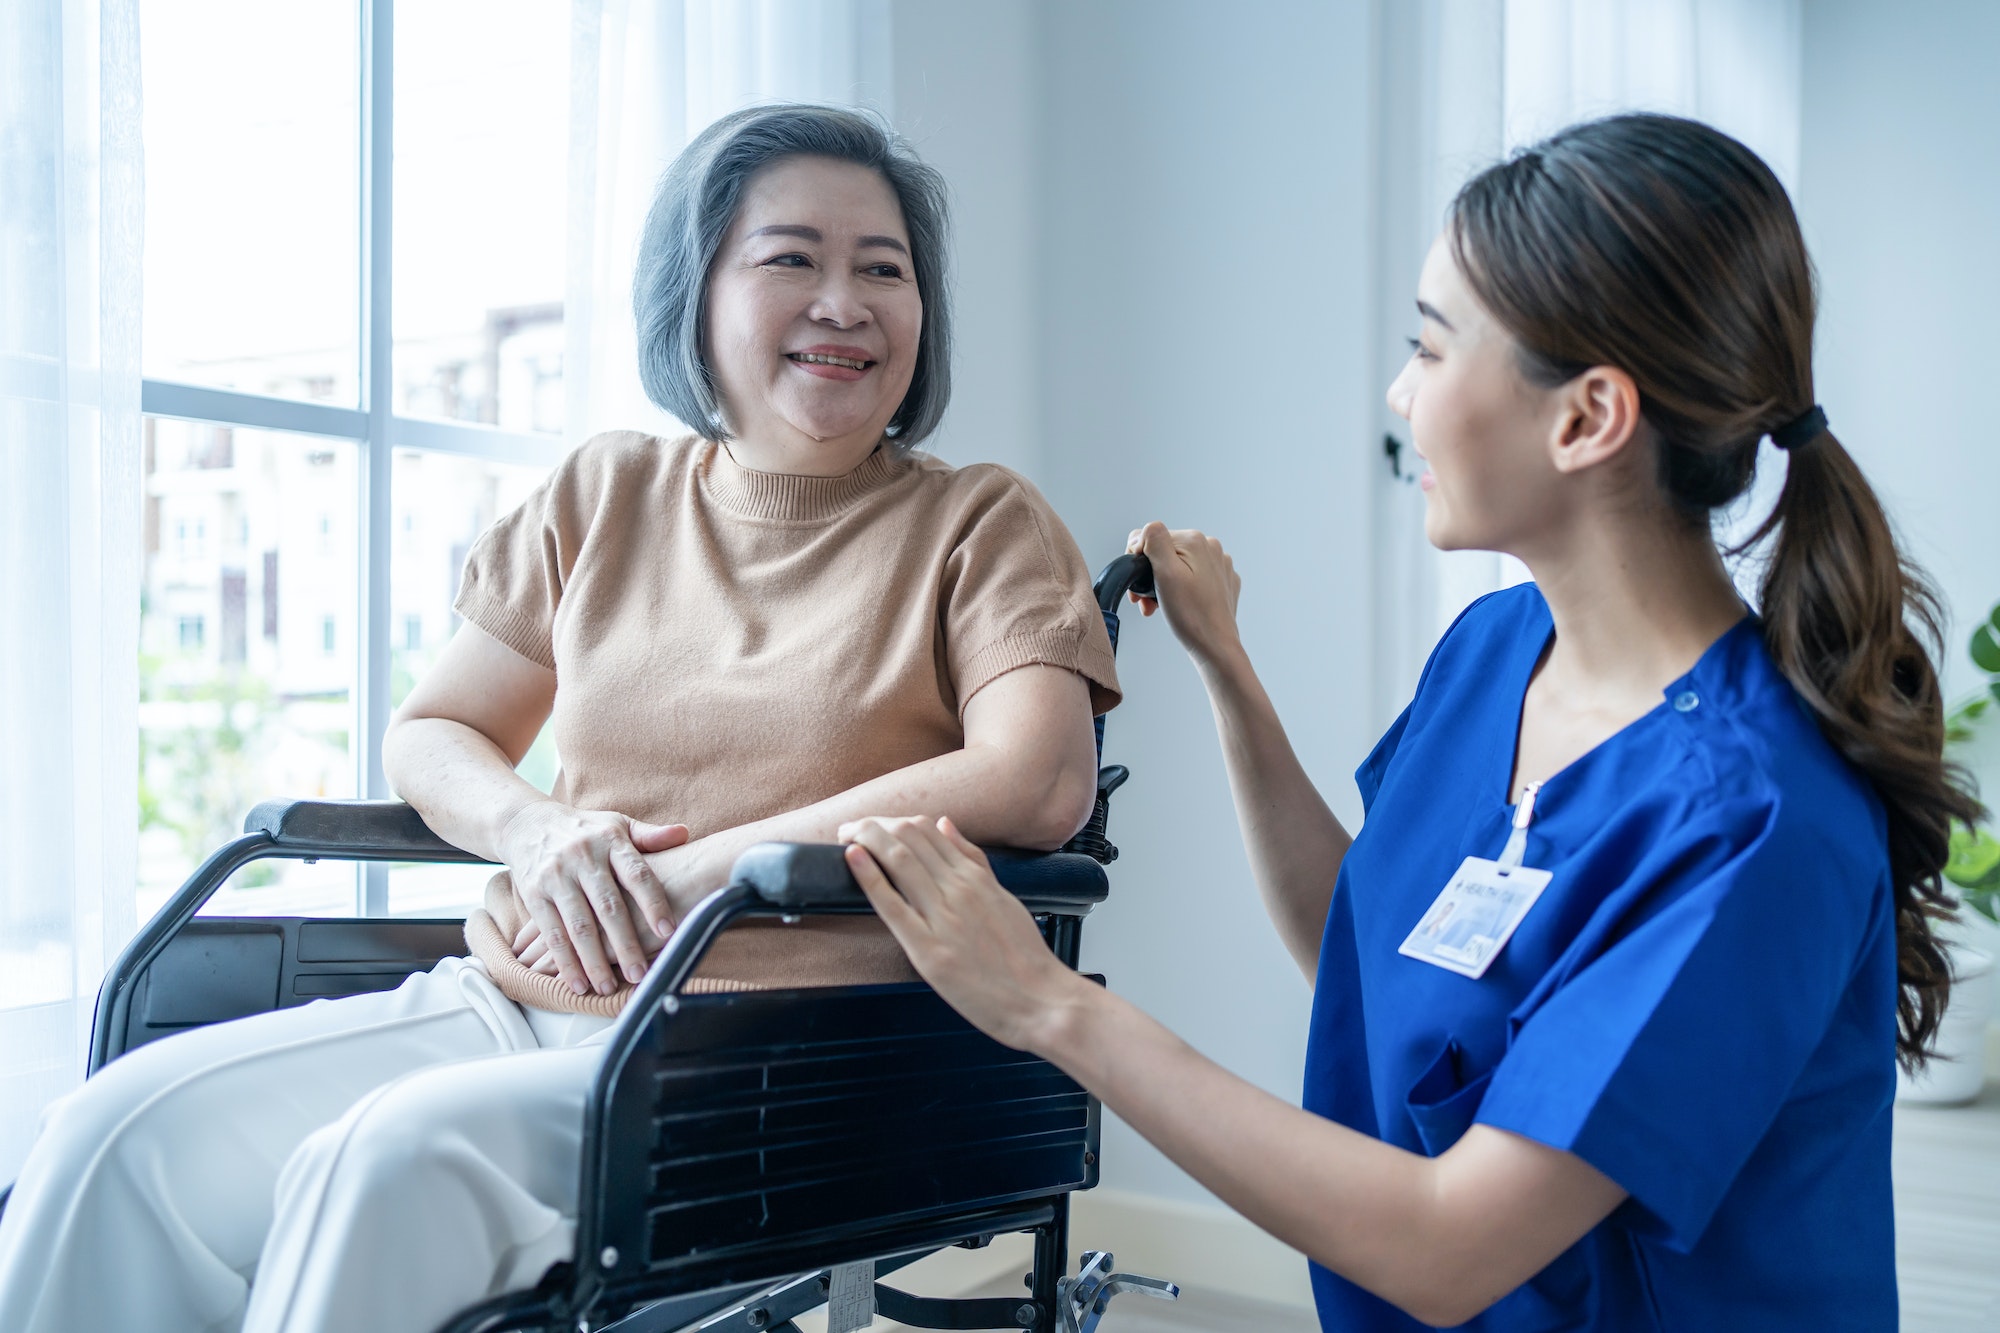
{"x":813,"y":877}
{"x":374,"y":830}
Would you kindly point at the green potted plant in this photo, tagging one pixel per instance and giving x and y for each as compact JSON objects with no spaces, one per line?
{"x":1957,"y":1072}
{"x":1975,"y":853}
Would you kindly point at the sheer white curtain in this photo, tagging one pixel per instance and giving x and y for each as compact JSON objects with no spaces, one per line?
{"x":1495,"y":75}
{"x":1732,"y":63}
{"x":647,"y":76}
{"x":70,"y":224}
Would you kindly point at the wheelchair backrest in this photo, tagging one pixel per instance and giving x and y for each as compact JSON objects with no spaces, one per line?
{"x":218,"y":968}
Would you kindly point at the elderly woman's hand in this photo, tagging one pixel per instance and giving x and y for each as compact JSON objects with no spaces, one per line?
{"x":589,"y":893}
{"x":1196,"y":583}
{"x":968,"y":937}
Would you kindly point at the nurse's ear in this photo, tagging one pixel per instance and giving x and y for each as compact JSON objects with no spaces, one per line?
{"x":1596,"y":419}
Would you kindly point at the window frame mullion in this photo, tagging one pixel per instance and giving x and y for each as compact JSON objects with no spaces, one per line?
{"x":371,"y":694}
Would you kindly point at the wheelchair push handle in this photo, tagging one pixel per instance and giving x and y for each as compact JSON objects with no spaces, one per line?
{"x":1131,"y":572}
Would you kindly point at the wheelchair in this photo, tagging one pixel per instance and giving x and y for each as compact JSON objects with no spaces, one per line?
{"x":746,"y":1156}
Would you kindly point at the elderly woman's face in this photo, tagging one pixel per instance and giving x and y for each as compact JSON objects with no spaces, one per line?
{"x":813,"y":316}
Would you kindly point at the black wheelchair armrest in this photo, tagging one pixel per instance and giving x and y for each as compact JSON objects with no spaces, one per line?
{"x":813,"y":877}
{"x":380,"y":830}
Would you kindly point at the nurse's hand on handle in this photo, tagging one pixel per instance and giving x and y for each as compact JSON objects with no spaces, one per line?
{"x":1197,"y":585}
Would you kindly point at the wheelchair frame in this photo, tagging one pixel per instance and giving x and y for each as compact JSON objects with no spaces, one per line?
{"x":738,"y":1147}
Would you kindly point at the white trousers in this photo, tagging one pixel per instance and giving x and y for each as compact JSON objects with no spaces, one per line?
{"x":362,"y":1165}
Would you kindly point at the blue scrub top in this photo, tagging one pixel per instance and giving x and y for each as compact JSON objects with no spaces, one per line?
{"x":1702,"y":1004}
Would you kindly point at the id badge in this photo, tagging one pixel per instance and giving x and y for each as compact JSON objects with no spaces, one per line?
{"x":1471,"y":921}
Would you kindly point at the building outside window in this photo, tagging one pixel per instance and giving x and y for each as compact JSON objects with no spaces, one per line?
{"x":346,"y":433}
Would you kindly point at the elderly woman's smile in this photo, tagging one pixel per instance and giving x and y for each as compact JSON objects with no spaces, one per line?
{"x":813,"y":317}
{"x":832,"y":363}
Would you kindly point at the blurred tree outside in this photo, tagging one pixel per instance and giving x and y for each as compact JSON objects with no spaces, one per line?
{"x":200,"y":774}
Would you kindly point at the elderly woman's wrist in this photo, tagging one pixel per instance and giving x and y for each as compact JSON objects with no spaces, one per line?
{"x":691,"y":871}
{"x":514,"y":819}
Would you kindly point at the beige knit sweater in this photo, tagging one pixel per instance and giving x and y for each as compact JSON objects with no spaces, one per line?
{"x":730,"y":645}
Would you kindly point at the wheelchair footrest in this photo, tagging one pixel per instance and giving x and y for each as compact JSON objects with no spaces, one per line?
{"x":982,"y":1313}
{"x":1083,"y":1299}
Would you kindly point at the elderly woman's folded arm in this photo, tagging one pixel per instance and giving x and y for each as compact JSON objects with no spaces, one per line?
{"x":1027,"y":777}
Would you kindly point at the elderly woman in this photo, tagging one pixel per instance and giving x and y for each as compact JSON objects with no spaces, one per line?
{"x":781,"y":623}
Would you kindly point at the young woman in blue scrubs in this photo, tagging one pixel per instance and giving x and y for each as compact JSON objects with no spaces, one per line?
{"x":1610,"y":989}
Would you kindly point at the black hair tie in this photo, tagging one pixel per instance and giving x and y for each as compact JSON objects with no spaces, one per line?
{"x":1802,"y":429}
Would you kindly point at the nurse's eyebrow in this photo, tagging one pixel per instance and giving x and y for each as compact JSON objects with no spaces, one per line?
{"x":1429,"y":311}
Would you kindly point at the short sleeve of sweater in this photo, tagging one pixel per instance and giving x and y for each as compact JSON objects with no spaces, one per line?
{"x":1017,"y":593}
{"x":515,"y":574}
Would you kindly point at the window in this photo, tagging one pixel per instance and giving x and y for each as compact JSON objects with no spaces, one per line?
{"x":190,"y":537}
{"x":268,"y":712}
{"x":327,"y":434}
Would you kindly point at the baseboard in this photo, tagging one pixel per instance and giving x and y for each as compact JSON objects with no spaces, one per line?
{"x":1203,"y":1247}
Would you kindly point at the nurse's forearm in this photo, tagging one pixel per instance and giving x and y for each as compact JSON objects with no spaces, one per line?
{"x":1440,"y":1238}
{"x":1294,"y":841}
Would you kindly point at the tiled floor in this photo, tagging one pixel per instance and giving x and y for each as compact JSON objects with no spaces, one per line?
{"x":1194,"y":1312}
{"x":1947,"y":1164}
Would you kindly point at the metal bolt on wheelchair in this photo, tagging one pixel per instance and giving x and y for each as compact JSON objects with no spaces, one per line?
{"x":747,"y":1156}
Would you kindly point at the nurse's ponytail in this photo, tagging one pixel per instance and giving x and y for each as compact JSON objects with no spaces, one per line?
{"x":1668,"y":249}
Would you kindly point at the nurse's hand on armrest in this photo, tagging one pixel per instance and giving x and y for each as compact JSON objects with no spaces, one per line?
{"x":967,"y":936}
{"x":1442,"y":1238}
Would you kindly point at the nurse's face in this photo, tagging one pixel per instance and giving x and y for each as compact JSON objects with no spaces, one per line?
{"x":1481,"y":427}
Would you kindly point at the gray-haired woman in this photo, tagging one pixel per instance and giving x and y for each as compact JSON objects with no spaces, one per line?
{"x":776,"y":624}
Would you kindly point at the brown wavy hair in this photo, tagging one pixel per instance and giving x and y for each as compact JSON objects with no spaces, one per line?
{"x":1667,"y":249}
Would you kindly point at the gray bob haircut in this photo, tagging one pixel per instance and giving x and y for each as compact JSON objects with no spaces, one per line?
{"x":698,"y":199}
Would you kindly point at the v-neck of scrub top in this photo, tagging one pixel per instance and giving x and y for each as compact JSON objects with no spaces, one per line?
{"x":1646,"y":835}
{"x":1523,"y":678}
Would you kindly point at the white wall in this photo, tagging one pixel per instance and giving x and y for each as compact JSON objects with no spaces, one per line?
{"x":966,"y":81}
{"x":1899,"y":194}
{"x":1206,"y":340}
{"x":1165,"y":295}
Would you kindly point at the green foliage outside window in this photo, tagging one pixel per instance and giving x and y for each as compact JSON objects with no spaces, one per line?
{"x":199,"y":775}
